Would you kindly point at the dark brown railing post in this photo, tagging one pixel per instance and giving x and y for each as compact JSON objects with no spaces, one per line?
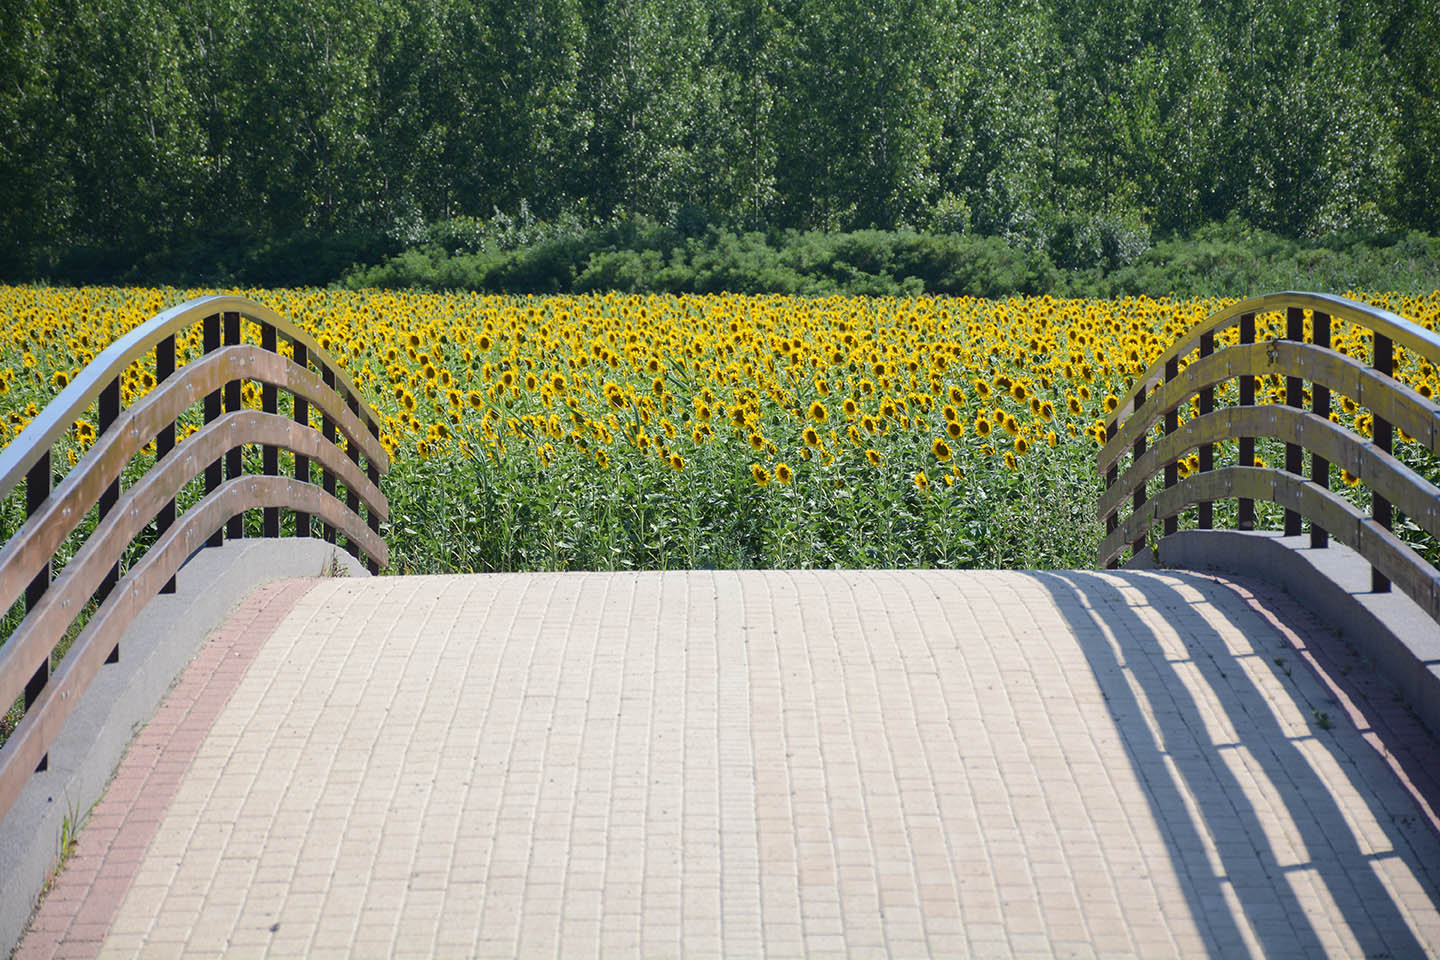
{"x":1112,"y":477}
{"x":1206,"y":519}
{"x":235,"y":526}
{"x":38,"y":483}
{"x":269,"y":453}
{"x":165,"y":439}
{"x":1137,"y":546}
{"x":352,"y":499}
{"x":1172,"y":423}
{"x":213,"y":475}
{"x":109,"y":412}
{"x":302,"y":462}
{"x":327,"y":429}
{"x":1245,"y":519}
{"x":1379,"y":506}
{"x":1320,"y":405}
{"x":1294,"y":456}
{"x":372,"y":519}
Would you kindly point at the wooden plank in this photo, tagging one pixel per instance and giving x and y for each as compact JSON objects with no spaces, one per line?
{"x":30,"y":644}
{"x":26,"y":552}
{"x":37,"y":731}
{"x":1402,"y":331}
{"x":55,"y":419}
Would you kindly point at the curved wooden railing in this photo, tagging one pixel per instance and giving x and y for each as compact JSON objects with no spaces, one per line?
{"x":348,"y":475}
{"x":1166,"y":386}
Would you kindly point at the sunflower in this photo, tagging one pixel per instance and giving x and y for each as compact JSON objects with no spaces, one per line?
{"x":874,"y":457}
{"x":761,"y":475}
{"x":941,"y":449}
{"x":783,"y":473}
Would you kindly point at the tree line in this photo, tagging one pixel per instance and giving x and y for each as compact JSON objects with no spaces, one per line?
{"x":152,"y":131}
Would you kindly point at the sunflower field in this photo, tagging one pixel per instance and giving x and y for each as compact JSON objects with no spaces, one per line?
{"x":615,"y":432}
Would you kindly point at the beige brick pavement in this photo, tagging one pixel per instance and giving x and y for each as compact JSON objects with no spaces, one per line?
{"x":825,"y":763}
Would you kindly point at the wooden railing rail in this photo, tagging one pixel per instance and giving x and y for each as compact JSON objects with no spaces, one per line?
{"x":346,"y":449}
{"x":1165,"y":387}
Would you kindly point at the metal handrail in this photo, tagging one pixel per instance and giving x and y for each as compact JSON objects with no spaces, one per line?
{"x":1164,"y":387}
{"x":214,"y":451}
{"x":52,"y":422}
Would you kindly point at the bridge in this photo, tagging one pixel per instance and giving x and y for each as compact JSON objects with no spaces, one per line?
{"x":253,"y":746}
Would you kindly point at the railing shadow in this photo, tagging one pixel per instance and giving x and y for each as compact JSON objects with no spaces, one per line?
{"x":1125,"y":656}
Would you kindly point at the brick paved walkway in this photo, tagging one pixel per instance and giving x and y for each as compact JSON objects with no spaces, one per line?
{"x":715,"y":763}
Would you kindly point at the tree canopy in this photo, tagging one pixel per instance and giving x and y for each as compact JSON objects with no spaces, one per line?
{"x":127,"y":125}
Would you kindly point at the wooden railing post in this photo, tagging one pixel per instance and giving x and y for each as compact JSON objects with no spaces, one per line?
{"x":1320,"y":405}
{"x":372,"y":519}
{"x":1379,"y":506}
{"x":235,"y":526}
{"x":1245,"y":519}
{"x":213,"y":476}
{"x":109,"y":412}
{"x":269,"y":453}
{"x":352,"y":499}
{"x":1294,"y":457}
{"x":165,"y":439}
{"x":1206,"y":519}
{"x":302,"y":462}
{"x":1138,"y":450}
{"x":38,"y":483}
{"x":327,"y":428}
{"x":1172,"y":423}
{"x":1112,"y":477}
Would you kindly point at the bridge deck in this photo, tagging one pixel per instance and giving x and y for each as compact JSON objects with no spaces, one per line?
{"x":707,"y":763}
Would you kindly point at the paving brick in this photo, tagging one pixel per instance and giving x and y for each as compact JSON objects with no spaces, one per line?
{"x":730,"y":763}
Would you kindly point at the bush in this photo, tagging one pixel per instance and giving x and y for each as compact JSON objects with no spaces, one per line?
{"x":1085,"y":255}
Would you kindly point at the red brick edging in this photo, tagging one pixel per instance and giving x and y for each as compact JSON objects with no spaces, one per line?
{"x":77,"y":911}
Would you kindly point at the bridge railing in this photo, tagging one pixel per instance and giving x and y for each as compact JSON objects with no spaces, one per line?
{"x":1153,"y":405}
{"x":335,"y":485}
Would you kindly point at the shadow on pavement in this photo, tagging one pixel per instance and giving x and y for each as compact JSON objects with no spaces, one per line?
{"x":1224,"y":811}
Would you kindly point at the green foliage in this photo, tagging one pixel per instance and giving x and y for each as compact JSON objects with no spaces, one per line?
{"x":1232,"y":261}
{"x":133,"y":135}
{"x":1086,"y":257}
{"x":469,"y":514}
